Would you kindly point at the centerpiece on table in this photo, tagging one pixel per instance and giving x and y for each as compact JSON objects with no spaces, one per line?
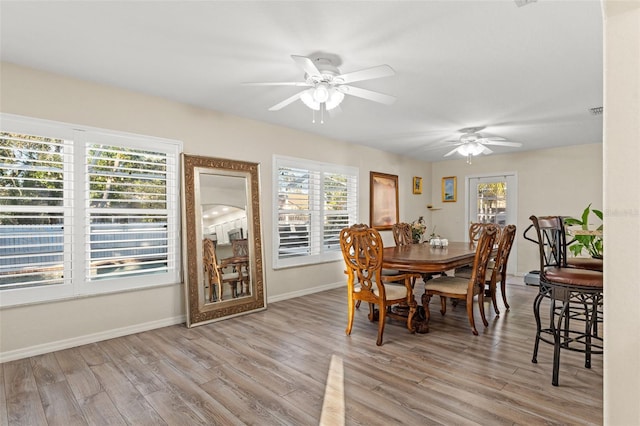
{"x":418,"y":229}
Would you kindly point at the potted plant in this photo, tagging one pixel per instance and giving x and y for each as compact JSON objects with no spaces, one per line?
{"x":589,"y":242}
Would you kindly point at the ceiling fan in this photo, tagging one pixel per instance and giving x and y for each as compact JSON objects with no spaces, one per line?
{"x":326,"y":86}
{"x":472,"y":143}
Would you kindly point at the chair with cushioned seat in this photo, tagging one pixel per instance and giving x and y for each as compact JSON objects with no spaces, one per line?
{"x":401,"y":236}
{"x":475,"y":231}
{"x":574,"y":295}
{"x":497,"y":268}
{"x":464,"y":288}
{"x":240,"y":249}
{"x":215,"y":273}
{"x":495,"y":273}
{"x":362,"y":252}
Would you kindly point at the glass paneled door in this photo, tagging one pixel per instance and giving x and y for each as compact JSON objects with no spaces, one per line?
{"x":493,"y":199}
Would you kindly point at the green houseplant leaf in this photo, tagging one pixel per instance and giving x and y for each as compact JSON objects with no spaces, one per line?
{"x":592,"y":244}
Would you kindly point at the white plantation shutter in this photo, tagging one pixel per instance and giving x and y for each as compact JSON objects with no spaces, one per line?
{"x":314,"y":202}
{"x":89,"y":212}
{"x":127,"y":211}
{"x":340,"y":206}
{"x":33,"y":212}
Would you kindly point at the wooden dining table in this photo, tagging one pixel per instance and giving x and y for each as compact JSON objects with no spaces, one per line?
{"x":425,"y":259}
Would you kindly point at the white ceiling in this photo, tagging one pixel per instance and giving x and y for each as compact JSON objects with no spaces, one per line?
{"x":528,"y":73}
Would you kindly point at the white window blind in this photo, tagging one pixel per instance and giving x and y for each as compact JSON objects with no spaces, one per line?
{"x":89,"y":212}
{"x":32,"y":217}
{"x":127,"y":211}
{"x":314,"y":202}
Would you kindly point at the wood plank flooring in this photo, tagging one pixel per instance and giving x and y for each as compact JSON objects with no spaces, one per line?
{"x":271,"y":368}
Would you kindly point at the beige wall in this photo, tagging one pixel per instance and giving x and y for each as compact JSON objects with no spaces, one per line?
{"x":43,"y":95}
{"x":36,"y":328}
{"x":35,"y":94}
{"x":560,"y":181}
{"x":622,"y":212}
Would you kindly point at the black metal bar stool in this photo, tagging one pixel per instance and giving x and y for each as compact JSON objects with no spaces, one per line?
{"x":574,"y":295}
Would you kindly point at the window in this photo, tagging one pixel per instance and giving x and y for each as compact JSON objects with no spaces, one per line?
{"x":84,"y":211}
{"x":314,"y":202}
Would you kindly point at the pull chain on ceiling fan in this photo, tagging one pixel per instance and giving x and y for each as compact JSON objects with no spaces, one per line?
{"x":327,"y":87}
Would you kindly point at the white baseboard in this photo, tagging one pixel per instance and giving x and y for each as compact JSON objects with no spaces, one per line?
{"x":86,"y":339}
{"x":137,"y":328}
{"x":306,"y":291}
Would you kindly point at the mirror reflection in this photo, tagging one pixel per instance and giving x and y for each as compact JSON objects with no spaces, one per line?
{"x":222,"y":238}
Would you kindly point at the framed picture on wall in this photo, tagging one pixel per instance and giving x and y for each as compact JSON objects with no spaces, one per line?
{"x":449,"y":189}
{"x":383,"y":200}
{"x":417,"y":185}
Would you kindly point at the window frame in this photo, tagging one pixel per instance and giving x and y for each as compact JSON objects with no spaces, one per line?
{"x":77,"y":212}
{"x":317,"y":212}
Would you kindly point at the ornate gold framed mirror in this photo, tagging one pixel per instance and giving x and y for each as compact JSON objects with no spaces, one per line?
{"x":222,"y":241}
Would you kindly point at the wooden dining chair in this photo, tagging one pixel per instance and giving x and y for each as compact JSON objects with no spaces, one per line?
{"x":402,"y":234}
{"x":216,"y":275}
{"x":497,"y":268}
{"x":362,"y":252}
{"x":240,"y":249}
{"x":475,"y":230}
{"x":462,"y":288}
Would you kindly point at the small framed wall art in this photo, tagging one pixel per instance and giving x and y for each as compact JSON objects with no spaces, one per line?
{"x":417,"y":185}
{"x":449,"y":189}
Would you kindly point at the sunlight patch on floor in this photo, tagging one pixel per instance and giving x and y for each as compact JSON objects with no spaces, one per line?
{"x":333,"y":405}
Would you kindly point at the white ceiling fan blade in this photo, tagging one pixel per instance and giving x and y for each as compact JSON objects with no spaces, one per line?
{"x":287,"y":101}
{"x":434,"y":147}
{"x":502,"y":143}
{"x":367,"y":94}
{"x":485,"y":150}
{"x":283,"y":83}
{"x":367,"y":74}
{"x":453,"y":151}
{"x":306,"y":64}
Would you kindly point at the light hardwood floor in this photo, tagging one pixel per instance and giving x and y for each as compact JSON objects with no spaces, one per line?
{"x":271,"y":368}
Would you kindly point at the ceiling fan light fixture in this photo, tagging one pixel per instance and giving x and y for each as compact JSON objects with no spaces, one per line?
{"x":307,"y":98}
{"x":470,"y":148}
{"x":321,"y":93}
{"x":335,"y":99}
{"x":315,"y":97}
